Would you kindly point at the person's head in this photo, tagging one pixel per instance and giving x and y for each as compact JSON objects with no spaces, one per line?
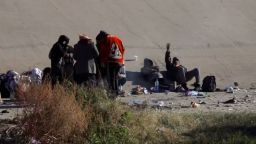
{"x":84,"y":37}
{"x":176,"y":61}
{"x":63,"y":40}
{"x":101,"y":37}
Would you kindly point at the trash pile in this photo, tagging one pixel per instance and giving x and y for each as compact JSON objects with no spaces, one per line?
{"x":138,"y":90}
{"x":12,"y":81}
{"x":153,"y":103}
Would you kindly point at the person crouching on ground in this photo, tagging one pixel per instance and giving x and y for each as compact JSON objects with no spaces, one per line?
{"x":183,"y":76}
{"x":86,"y":55}
{"x":111,"y":51}
{"x":56,"y":53}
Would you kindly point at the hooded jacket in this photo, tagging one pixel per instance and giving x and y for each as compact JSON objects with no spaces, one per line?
{"x":85,"y":54}
{"x":58,"y":50}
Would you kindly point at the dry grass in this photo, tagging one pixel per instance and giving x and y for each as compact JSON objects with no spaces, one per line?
{"x":162,"y":126}
{"x":53,"y":114}
{"x":71,"y":114}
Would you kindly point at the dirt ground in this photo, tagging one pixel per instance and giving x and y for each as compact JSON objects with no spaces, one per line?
{"x":214,"y":101}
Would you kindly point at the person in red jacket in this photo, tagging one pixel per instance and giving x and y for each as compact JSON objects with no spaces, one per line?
{"x":111,"y":57}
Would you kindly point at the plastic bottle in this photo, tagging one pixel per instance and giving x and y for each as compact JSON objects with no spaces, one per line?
{"x":157,"y":85}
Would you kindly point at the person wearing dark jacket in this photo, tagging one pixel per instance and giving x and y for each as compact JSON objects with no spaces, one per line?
{"x":182,"y":76}
{"x":67,"y":64}
{"x":56,"y":53}
{"x":86,"y":55}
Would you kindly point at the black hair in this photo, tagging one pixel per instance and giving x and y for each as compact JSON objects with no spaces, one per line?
{"x":101,"y":35}
{"x":175,"y":60}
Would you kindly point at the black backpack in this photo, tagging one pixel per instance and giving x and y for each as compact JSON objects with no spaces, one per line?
{"x":209,"y":84}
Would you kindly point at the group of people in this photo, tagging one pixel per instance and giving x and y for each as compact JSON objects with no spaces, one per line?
{"x":103,"y":63}
{"x":100,"y":64}
{"x":89,"y":63}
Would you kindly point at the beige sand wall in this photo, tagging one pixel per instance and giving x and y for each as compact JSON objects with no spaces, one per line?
{"x":216,"y":35}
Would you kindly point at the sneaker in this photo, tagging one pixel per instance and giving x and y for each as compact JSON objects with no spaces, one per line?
{"x":197,"y":86}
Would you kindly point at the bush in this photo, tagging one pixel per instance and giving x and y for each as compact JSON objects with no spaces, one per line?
{"x":53,"y":115}
{"x":73,"y":114}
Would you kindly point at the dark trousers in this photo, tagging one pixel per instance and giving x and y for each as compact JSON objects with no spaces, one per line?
{"x":85,"y":78}
{"x":182,"y":76}
{"x":56,"y":75}
{"x":67,"y":71}
{"x":5,"y":93}
{"x":112,"y":75}
{"x":191,"y":74}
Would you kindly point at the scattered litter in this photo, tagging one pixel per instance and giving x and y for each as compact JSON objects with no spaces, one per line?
{"x":160,"y":103}
{"x":201,"y":102}
{"x":231,"y":101}
{"x":191,"y":93}
{"x":194,"y":93}
{"x":247,"y":98}
{"x":230,"y":109}
{"x":145,"y":91}
{"x":138,"y":90}
{"x":136,"y":102}
{"x":230,"y":89}
{"x":195,"y":105}
{"x":5,"y":111}
{"x":135,"y":58}
{"x":156,"y":103}
{"x":236,"y":86}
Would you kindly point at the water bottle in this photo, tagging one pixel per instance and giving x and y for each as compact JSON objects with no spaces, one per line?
{"x":157,"y":85}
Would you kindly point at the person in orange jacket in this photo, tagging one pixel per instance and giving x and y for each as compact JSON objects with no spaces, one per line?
{"x":111,"y":57}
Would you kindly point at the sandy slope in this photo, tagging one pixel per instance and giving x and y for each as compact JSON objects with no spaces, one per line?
{"x":218,"y":36}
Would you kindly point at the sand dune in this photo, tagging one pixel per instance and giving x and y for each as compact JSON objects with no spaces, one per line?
{"x":218,"y":36}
